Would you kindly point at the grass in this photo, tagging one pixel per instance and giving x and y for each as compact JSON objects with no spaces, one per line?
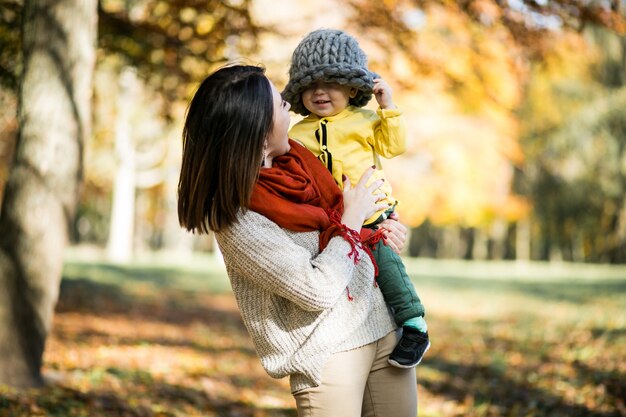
{"x":163,"y":337}
{"x":523,"y":339}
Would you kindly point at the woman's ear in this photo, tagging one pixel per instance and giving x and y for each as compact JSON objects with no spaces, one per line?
{"x":353,"y":92}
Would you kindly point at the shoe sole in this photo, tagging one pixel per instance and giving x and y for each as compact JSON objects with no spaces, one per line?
{"x":399,"y":365}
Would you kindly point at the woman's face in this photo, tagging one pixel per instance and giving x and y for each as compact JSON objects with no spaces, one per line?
{"x":278,"y":140}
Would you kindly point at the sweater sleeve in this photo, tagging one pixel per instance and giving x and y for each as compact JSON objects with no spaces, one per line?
{"x":389,"y":133}
{"x":260,"y":250}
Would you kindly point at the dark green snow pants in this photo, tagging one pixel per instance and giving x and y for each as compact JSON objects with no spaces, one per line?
{"x":394,"y":283}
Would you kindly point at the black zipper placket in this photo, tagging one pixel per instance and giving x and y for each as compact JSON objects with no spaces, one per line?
{"x":326,"y":157}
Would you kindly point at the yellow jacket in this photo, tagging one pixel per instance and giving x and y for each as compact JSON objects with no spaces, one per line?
{"x":353,"y":140}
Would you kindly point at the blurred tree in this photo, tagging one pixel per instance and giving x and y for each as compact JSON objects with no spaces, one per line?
{"x":120,"y":243}
{"x":10,"y":64}
{"x":10,"y":53}
{"x":143,"y":148}
{"x":465,"y":80}
{"x":481,"y":53}
{"x":173,"y":44}
{"x":529,"y":23}
{"x":8,"y":129}
{"x":58,"y":43}
{"x":575,"y":134}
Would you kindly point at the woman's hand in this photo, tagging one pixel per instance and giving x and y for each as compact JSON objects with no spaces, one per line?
{"x":362,"y":201}
{"x":395,"y":233}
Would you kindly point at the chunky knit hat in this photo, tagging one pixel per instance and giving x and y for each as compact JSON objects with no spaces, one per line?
{"x":331,"y":56}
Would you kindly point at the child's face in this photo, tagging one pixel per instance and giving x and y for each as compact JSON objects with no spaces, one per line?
{"x":327,"y":99}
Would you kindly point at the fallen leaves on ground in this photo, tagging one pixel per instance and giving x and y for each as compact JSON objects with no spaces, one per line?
{"x":155,"y":351}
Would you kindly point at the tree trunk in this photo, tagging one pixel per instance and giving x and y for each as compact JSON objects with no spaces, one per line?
{"x":8,"y":134}
{"x":175,"y":238}
{"x":497,"y":238}
{"x":42,"y":188}
{"x":522,"y":240}
{"x":122,"y":230}
{"x":481,"y":243}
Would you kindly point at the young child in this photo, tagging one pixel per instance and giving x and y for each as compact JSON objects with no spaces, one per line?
{"x":329,"y":82}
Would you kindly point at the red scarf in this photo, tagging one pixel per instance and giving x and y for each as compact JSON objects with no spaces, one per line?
{"x":298,"y":193}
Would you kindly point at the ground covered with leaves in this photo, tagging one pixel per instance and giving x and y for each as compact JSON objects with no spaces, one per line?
{"x":164,"y":338}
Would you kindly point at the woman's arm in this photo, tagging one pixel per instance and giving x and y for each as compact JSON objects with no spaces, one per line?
{"x":260,"y":250}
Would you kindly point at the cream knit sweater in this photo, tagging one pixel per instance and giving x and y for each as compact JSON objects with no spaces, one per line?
{"x":293,"y":299}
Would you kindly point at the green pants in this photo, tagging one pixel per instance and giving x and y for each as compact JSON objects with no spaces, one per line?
{"x":395,"y":284}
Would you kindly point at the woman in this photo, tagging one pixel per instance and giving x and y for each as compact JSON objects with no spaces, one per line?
{"x":290,"y":239}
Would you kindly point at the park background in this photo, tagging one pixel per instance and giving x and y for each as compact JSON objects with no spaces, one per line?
{"x":513,"y":185}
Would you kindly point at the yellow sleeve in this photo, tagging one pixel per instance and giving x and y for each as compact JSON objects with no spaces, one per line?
{"x":389,"y":133}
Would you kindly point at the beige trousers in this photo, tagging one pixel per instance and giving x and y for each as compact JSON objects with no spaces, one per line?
{"x":360,"y":383}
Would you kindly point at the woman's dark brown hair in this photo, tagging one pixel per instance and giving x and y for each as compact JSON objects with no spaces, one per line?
{"x":227,"y":123}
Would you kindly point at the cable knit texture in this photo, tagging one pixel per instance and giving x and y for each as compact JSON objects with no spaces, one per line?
{"x":293,"y":299}
{"x":328,"y":55}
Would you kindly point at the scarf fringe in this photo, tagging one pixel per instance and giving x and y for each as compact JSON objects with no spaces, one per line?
{"x":356,"y":242}
{"x":350,"y":235}
{"x":370,"y":243}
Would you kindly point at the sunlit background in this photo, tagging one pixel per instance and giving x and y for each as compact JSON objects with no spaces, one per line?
{"x":513,"y":185}
{"x":514,"y":112}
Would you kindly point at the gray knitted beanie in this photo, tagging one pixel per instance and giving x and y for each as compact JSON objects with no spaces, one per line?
{"x":331,"y":56}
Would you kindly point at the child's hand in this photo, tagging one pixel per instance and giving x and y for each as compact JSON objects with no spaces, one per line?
{"x":382,"y":92}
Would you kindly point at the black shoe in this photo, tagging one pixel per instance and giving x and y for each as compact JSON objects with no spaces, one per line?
{"x":410,"y":349}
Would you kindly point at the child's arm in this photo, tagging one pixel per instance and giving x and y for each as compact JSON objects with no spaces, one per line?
{"x":382,"y":92}
{"x":389,"y":138}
